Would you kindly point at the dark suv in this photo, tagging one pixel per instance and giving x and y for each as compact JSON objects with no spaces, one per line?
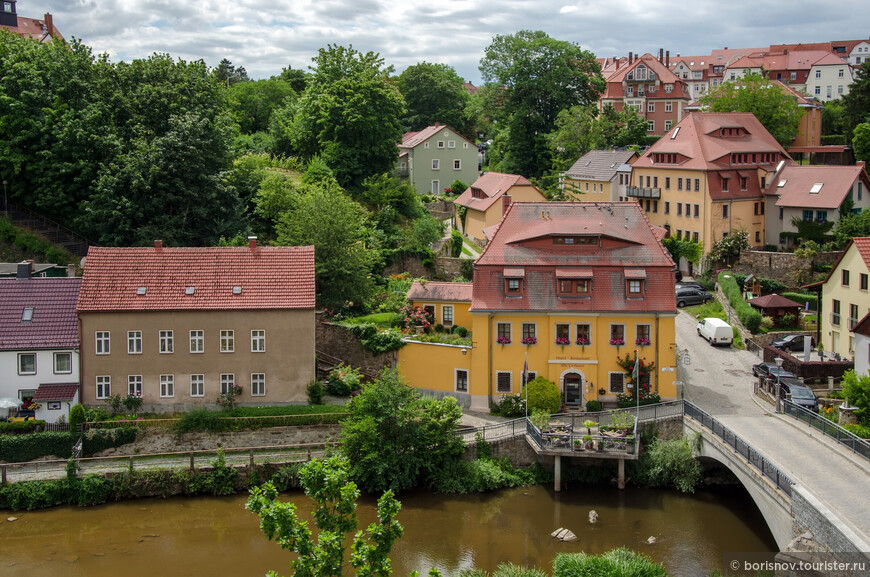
{"x":769,"y":371}
{"x":793,"y":343}
{"x":797,"y":392}
{"x":692,"y":296}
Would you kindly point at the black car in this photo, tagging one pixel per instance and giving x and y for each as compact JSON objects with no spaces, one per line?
{"x":678,"y":276}
{"x":770,"y":370}
{"x":692,"y":296}
{"x":793,"y":342}
{"x":798,"y":393}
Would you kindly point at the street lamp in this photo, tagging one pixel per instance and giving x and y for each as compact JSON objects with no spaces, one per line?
{"x":778,"y":361}
{"x":5,"y":202}
{"x":729,"y":296}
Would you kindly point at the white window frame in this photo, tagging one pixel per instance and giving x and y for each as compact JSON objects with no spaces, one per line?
{"x":440,"y":144}
{"x":436,"y":164}
{"x":456,"y":380}
{"x":457,"y":164}
{"x":451,"y":144}
{"x":104,"y":386}
{"x":166,"y":342}
{"x":610,"y":391}
{"x":196,"y":341}
{"x":444,"y":320}
{"x":35,"y":368}
{"x":167,"y":386}
{"x":227,"y":380}
{"x":436,"y":187}
{"x":650,"y":125}
{"x":62,"y":354}
{"x":197,"y":380}
{"x":102,"y":342}
{"x":650,"y":106}
{"x":134,"y":342}
{"x":228,"y":341}
{"x":258,"y":384}
{"x":510,"y":375}
{"x":258,"y":340}
{"x":667,"y":125}
{"x":134,"y":385}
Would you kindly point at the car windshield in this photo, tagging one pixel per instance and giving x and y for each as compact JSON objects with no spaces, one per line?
{"x":802,"y":394}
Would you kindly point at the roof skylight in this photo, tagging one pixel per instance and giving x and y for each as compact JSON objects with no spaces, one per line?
{"x":189,"y":290}
{"x":237,"y":290}
{"x":781,"y":183}
{"x":816,"y":188}
{"x":27,"y":315}
{"x":675,"y":133}
{"x":140,"y":290}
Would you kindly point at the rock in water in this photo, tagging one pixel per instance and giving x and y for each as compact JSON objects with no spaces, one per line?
{"x":651,"y":541}
{"x":11,"y":519}
{"x":569,"y":536}
{"x":555,"y":533}
{"x":593,"y":516}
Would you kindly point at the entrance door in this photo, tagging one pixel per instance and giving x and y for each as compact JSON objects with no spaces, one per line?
{"x":572,"y":387}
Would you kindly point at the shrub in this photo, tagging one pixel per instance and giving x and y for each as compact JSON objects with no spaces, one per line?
{"x":593,"y":406}
{"x":343,"y":380}
{"x":315,"y":392}
{"x":19,"y":448}
{"x":93,"y":490}
{"x":461,"y":331}
{"x":439,"y":328}
{"x":859,"y":430}
{"x":456,"y":246}
{"x":542,"y":395}
{"x":804,"y":298}
{"x":466,"y":268}
{"x":787,"y":320}
{"x":102,"y":439}
{"x":767,"y":323}
{"x":76,"y":416}
{"x":198,"y":420}
{"x":751,"y":319}
{"x":373,"y":339}
{"x":21,"y":427}
{"x":671,"y":464}
{"x":97,"y":414}
{"x":511,"y":406}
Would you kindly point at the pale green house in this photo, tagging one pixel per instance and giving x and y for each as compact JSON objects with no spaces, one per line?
{"x":433,"y":158}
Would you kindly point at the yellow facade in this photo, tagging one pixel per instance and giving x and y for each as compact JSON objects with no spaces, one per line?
{"x":587,"y":190}
{"x":847,"y":295}
{"x":461,"y":316}
{"x":476,"y":220}
{"x":433,"y":366}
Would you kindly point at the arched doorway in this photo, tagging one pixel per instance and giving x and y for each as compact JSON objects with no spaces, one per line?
{"x":573,"y":385}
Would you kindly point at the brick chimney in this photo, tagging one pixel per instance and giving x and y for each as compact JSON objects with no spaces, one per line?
{"x":505,"y":203}
{"x":668,"y":58}
{"x":25,"y":269}
{"x":158,"y":245}
{"x":630,"y":57}
{"x":661,"y":55}
{"x":71,"y":270}
{"x":252,"y":242}
{"x":616,"y":60}
{"x":49,"y":24}
{"x":862,"y":164}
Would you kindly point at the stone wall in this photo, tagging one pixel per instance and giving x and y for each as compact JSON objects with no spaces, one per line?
{"x":440,"y":209}
{"x":767,"y":338}
{"x":828,"y":531}
{"x":336,"y":341}
{"x":446,"y":268}
{"x":776,"y":265}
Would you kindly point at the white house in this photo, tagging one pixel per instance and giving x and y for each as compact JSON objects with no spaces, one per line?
{"x":39,"y":342}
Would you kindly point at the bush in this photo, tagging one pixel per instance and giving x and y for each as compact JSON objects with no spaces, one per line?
{"x":542,"y":395}
{"x":511,"y":406}
{"x":787,"y":320}
{"x":456,"y":246}
{"x":593,"y":406}
{"x":833,"y":139}
{"x":670,"y":464}
{"x":766,"y":323}
{"x":804,"y":298}
{"x":343,"y":380}
{"x":19,"y":448}
{"x":373,"y":339}
{"x":751,"y":319}
{"x":102,"y":439}
{"x":859,"y":430}
{"x":461,"y":331}
{"x":466,"y":268}
{"x":76,"y":416}
{"x":93,"y":490}
{"x":21,"y":427}
{"x":315,"y":392}
{"x":484,"y":474}
{"x":439,"y":328}
{"x":620,"y":562}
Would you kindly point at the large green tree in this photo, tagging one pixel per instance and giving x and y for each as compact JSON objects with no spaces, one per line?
{"x":775,"y":109}
{"x":580,"y":129}
{"x":433,"y":93}
{"x":251,"y":103}
{"x":349,"y":114}
{"x":861,"y":141}
{"x":856,"y":104}
{"x":540,"y":76}
{"x":228,"y":74}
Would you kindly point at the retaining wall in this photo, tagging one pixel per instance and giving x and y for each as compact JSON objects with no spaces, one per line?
{"x":339,"y":342}
{"x":777,"y":265}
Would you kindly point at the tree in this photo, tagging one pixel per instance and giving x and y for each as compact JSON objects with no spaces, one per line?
{"x":433,"y":93}
{"x":851,"y":226}
{"x":730,"y":246}
{"x":349,"y":114}
{"x":338,"y":227}
{"x":422,"y":233}
{"x":326,"y":482}
{"x":861,"y":141}
{"x":395,"y":439}
{"x":774,"y":108}
{"x":542,"y":395}
{"x":681,"y":248}
{"x":818,"y":232}
{"x":298,"y":79}
{"x":856,"y":104}
{"x":227,"y":74}
{"x":540,"y":77}
{"x":580,"y":129}
{"x":856,"y":390}
{"x":251,"y":103}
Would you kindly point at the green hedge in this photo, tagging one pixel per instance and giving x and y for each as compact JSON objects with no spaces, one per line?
{"x":768,"y":285}
{"x":750,"y":317}
{"x":235,"y":420}
{"x":19,"y":448}
{"x":100,"y":440}
{"x":833,"y":139}
{"x":21,"y":427}
{"x":802,"y":298}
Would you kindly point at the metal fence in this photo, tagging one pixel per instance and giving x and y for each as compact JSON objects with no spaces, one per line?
{"x":855,"y":443}
{"x":741,"y":447}
{"x":505,"y":430}
{"x":227,"y":423}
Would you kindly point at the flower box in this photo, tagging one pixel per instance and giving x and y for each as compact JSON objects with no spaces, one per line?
{"x":563,"y":341}
{"x":642,"y":342}
{"x":582,"y":342}
{"x":503,"y":340}
{"x":529,"y":341}
{"x":617,"y":342}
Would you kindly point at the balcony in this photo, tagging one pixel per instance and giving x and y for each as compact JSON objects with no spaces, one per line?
{"x":641,"y":192}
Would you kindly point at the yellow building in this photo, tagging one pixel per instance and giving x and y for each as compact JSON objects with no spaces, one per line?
{"x":567,"y":288}
{"x":706,"y":177}
{"x":845,"y":298}
{"x":599,"y":175}
{"x":487,"y":199}
{"x":448,"y":302}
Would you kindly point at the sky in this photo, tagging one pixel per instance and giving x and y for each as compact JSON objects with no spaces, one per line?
{"x":265,"y":36}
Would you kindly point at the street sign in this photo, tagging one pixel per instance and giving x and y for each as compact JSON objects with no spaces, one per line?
{"x":687,"y":360}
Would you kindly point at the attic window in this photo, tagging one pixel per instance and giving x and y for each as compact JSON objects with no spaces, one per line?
{"x":675,"y":133}
{"x":781,"y":183}
{"x":237,"y":290}
{"x":189,"y":290}
{"x":27,"y":315}
{"x":816,"y":188}
{"x":141,"y":290}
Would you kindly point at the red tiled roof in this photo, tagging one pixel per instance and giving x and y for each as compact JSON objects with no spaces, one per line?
{"x":412,"y":139}
{"x":493,"y":185}
{"x":269,"y":277}
{"x":863,"y":326}
{"x":627,"y":241}
{"x":440,"y":291}
{"x":836,"y":183}
{"x":56,"y":392}
{"x":774,"y":301}
{"x":34,"y":29}
{"x":54,"y":324}
{"x":862,"y":244}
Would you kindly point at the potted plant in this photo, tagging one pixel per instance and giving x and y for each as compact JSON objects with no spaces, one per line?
{"x":540,"y":419}
{"x":587,"y":440}
{"x":641,"y":342}
{"x":600,"y":445}
{"x":578,"y":445}
{"x":589,"y":424}
{"x":582,"y":342}
{"x":530,"y":340}
{"x":562,"y":341}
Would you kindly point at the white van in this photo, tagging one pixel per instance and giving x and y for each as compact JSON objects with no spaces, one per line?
{"x":716,"y":331}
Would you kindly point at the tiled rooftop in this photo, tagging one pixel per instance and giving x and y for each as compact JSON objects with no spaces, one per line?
{"x":53,"y":323}
{"x":440,"y":291}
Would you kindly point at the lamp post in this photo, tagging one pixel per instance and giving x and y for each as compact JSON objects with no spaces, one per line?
{"x":5,"y":202}
{"x":729,"y":296}
{"x":778,"y":361}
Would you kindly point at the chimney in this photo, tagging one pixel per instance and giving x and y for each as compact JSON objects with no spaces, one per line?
{"x":630,"y":57}
{"x":25,"y":269}
{"x":616,"y":60}
{"x":158,"y":245}
{"x":862,"y":164}
{"x":49,"y":24}
{"x":661,"y":55}
{"x":437,"y":124}
{"x":252,"y":242}
{"x":505,"y":203}
{"x":71,"y":270}
{"x":668,"y":58}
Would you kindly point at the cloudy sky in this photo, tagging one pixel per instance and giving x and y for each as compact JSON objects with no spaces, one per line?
{"x":266,"y":35}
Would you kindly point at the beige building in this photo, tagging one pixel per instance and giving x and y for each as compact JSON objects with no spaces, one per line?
{"x":599,"y":175}
{"x":845,"y":298}
{"x":486,"y":201}
{"x":182,"y":326}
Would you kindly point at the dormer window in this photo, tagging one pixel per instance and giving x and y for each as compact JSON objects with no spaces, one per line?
{"x":634,"y":281}
{"x":574,"y":281}
{"x":513,"y":281}
{"x":477,"y":193}
{"x":575,"y":240}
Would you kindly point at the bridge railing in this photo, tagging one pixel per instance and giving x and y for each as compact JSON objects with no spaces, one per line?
{"x":505,"y":430}
{"x":741,"y":447}
{"x":846,"y":438}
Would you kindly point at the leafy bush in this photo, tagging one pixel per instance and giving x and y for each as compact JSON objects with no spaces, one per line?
{"x":670,"y":464}
{"x":221,"y":480}
{"x":461,"y":331}
{"x":93,"y":490}
{"x":343,"y":380}
{"x":751,"y":319}
{"x":859,"y":430}
{"x":19,"y":448}
{"x":593,"y":406}
{"x":76,"y":416}
{"x":767,"y":323}
{"x":102,"y":439}
{"x":484,"y":474}
{"x":620,"y":562}
{"x":315,"y":392}
{"x":543,"y":394}
{"x":787,"y":320}
{"x":456,"y":246}
{"x":803,"y":298}
{"x":856,"y":390}
{"x":373,"y":339}
{"x":511,"y":406}
{"x":21,"y":427}
{"x":97,"y":414}
{"x":32,"y":495}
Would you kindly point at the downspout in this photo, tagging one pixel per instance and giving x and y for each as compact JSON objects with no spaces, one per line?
{"x":81,"y":364}
{"x":658,"y":368}
{"x":489,"y":376}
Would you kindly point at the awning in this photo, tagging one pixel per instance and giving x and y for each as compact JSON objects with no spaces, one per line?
{"x":514,"y":273}
{"x":56,"y":392}
{"x":635,"y":273}
{"x":574,"y":273}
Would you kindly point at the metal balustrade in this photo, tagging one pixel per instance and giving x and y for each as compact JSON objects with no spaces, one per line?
{"x":844,"y":437}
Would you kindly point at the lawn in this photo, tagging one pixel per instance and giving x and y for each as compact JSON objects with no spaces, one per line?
{"x":382,"y":320}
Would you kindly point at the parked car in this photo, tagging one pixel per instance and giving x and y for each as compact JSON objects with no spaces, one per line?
{"x":678,"y":276}
{"x":793,"y":343}
{"x":797,"y":392}
{"x":770,"y":370}
{"x":692,"y":285}
{"x":692,"y":296}
{"x":716,"y":331}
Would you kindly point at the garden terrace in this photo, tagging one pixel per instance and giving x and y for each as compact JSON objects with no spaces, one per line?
{"x":613,"y":435}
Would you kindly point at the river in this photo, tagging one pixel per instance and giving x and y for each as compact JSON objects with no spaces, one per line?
{"x":218,"y":537}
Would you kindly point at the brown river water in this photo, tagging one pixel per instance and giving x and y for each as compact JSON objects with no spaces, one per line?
{"x":218,"y":537}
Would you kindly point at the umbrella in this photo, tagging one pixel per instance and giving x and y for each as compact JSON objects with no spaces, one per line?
{"x":9,"y":403}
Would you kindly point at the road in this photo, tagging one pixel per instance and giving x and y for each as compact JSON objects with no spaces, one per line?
{"x":719,"y":380}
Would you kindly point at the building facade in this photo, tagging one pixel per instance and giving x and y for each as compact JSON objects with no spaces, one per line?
{"x":598,"y":176}
{"x":845,"y":298}
{"x":182,"y":326}
{"x":447,"y":302}
{"x":486,"y":200}
{"x":435,"y":157}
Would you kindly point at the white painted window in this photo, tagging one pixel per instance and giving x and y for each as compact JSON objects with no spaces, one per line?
{"x":451,"y":144}
{"x":102,"y":341}
{"x":436,"y":164}
{"x":457,"y":165}
{"x":134,"y":385}
{"x":651,"y":107}
{"x":258,"y":341}
{"x":228,"y":381}
{"x":447,"y":315}
{"x":197,"y":385}
{"x":197,"y":341}
{"x":667,"y":125}
{"x":26,"y":363}
{"x":669,"y":106}
{"x":134,"y":342}
{"x":436,"y":187}
{"x":651,"y":126}
{"x":62,"y":363}
{"x":440,"y":144}
{"x":258,"y":384}
{"x":104,"y":386}
{"x":227,"y":341}
{"x":167,"y":386}
{"x":166,"y":343}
